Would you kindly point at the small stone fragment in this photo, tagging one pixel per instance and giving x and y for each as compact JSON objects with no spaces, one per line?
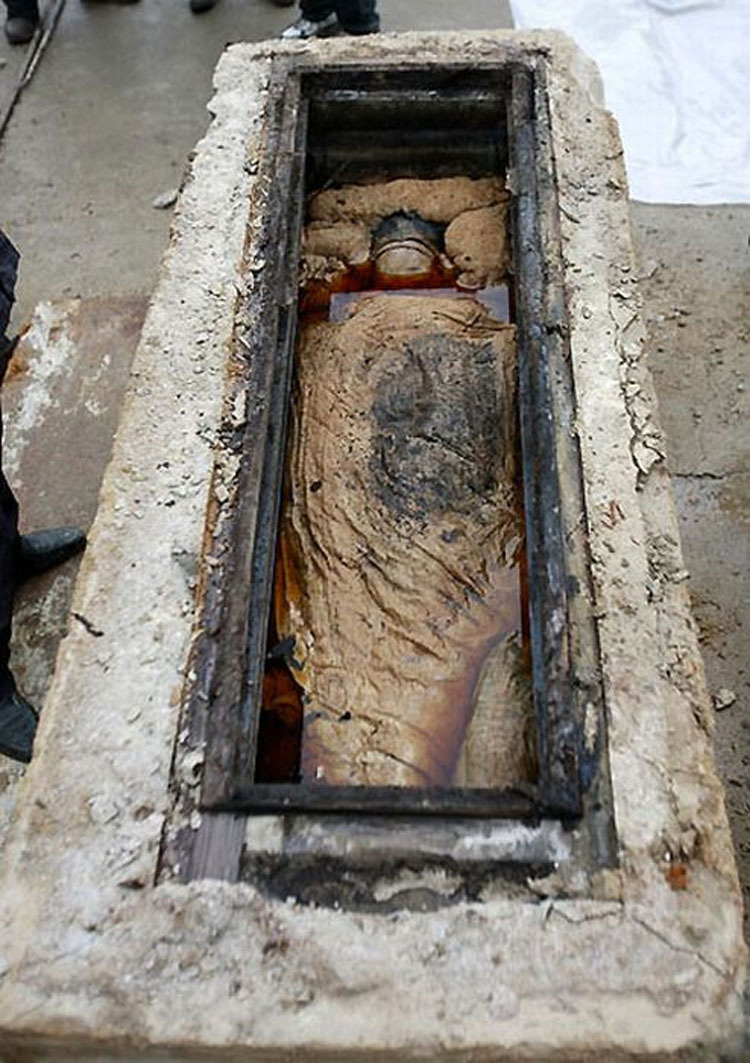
{"x":102,"y":810}
{"x":238,"y":409}
{"x":191,"y":767}
{"x":166,"y":199}
{"x":723,"y":699}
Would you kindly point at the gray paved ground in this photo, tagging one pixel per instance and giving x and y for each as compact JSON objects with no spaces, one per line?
{"x":107,"y":125}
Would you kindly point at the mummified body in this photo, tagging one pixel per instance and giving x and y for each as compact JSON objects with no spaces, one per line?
{"x":400,"y":539}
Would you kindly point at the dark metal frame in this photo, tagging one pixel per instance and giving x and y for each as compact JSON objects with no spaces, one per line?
{"x":449,"y":119}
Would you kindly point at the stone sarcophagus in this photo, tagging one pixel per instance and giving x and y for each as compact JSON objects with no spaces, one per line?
{"x":392,"y":740}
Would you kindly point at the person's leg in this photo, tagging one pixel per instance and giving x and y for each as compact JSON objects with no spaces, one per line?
{"x":9,"y":547}
{"x":9,"y":538}
{"x":316,"y":10}
{"x":23,"y":9}
{"x":22,"y":20}
{"x":358,"y":16}
{"x":18,"y":719}
{"x":20,"y":558}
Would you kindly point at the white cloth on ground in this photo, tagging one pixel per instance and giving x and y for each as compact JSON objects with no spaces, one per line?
{"x":677,"y":78}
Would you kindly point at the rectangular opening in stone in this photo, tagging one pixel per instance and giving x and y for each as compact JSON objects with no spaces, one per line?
{"x":414,"y":634}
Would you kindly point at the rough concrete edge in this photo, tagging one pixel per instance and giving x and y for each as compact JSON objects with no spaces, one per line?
{"x":662,"y":762}
{"x":122,"y":918}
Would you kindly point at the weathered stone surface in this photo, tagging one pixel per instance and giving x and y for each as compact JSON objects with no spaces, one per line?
{"x":643,"y":962}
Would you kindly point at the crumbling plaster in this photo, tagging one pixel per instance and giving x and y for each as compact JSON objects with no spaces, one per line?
{"x":98,"y":962}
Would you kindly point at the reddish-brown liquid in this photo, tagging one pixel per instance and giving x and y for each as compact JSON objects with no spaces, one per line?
{"x":280,"y":728}
{"x":316,"y":295}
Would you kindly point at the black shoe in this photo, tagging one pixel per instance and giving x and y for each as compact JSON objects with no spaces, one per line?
{"x":283,"y":3}
{"x":43,"y":550}
{"x":18,"y":720}
{"x":20,"y":30}
{"x":197,"y":6}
